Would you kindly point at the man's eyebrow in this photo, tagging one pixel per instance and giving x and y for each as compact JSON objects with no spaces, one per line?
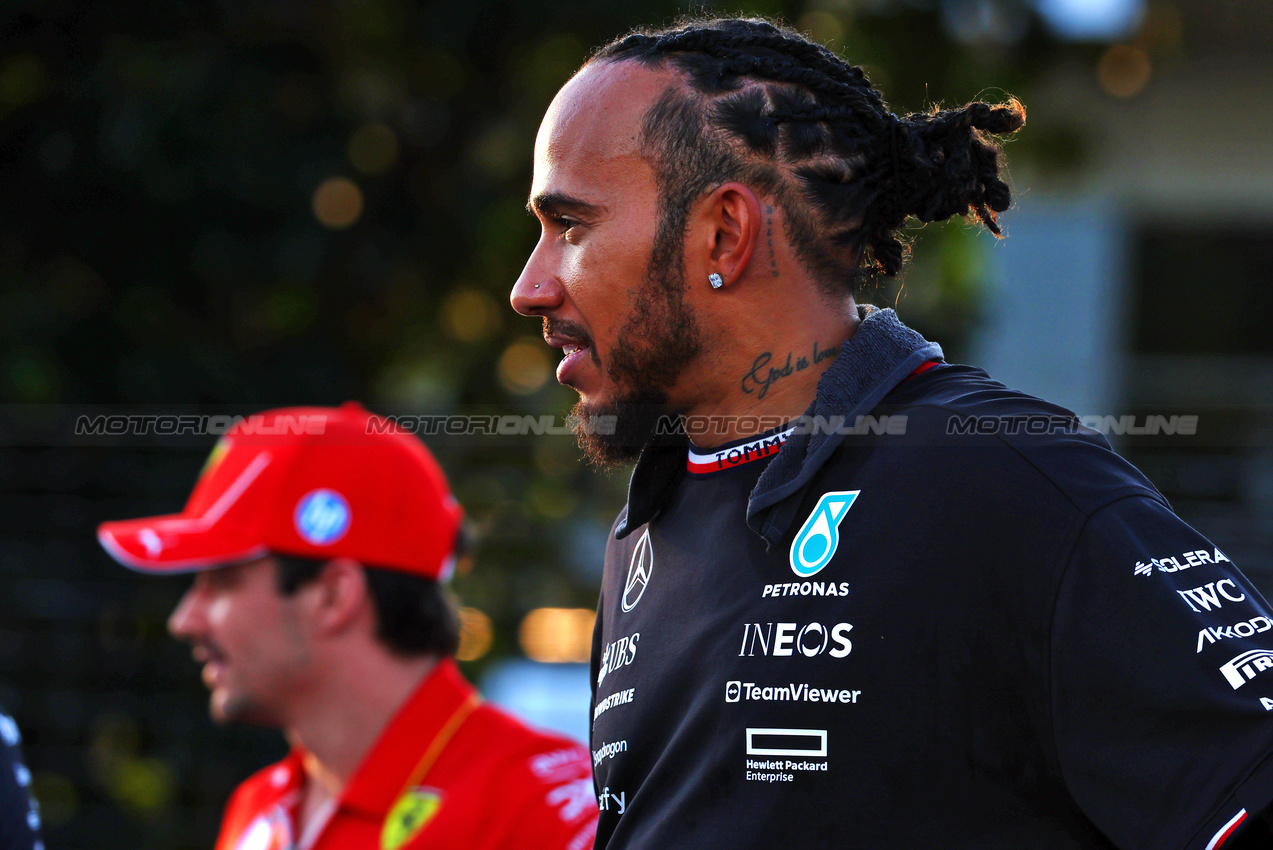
{"x":546,"y":202}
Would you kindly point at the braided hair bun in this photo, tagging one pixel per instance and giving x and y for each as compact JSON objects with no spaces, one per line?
{"x":767,"y":106}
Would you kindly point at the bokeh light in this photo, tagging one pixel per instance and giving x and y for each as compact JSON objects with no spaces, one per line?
{"x":468,"y":315}
{"x":524,"y":366}
{"x":1124,"y":70}
{"x":337,"y":202}
{"x":476,"y":634}
{"x":557,"y":635}
{"x":1092,"y":19}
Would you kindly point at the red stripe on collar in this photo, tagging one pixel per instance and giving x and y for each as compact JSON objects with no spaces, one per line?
{"x":922,"y":368}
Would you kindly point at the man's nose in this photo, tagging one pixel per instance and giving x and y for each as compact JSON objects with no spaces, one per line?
{"x":187,"y":619}
{"x":537,"y":291}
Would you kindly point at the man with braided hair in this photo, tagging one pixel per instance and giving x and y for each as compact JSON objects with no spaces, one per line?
{"x":858,"y":597}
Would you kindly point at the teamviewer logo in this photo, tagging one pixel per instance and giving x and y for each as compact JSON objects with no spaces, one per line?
{"x":733,"y":691}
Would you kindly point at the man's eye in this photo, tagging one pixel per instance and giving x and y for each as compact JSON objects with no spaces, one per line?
{"x":564,"y":223}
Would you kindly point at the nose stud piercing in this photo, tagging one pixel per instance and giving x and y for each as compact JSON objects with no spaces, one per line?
{"x":537,"y":286}
{"x":715,"y":280}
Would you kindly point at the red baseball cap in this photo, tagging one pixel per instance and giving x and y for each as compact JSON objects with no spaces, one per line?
{"x":314,"y":482}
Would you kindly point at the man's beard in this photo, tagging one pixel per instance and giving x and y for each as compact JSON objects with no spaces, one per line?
{"x":659,"y":337}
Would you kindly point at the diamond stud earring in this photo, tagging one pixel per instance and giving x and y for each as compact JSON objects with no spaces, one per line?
{"x":715,"y":280}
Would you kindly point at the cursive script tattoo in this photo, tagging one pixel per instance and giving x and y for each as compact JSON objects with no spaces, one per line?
{"x":763,"y":373}
{"x":819,"y":356}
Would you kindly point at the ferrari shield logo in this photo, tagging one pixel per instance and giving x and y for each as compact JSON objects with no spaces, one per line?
{"x":819,"y":537}
{"x":409,"y":815}
{"x":638,"y":572}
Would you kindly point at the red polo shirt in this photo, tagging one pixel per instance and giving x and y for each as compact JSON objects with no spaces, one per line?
{"x":449,"y":771}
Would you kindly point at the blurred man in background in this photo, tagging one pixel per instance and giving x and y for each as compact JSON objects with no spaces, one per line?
{"x":858,"y":597}
{"x":319,"y":543}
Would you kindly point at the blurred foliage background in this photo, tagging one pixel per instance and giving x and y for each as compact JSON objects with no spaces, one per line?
{"x":239,"y":205}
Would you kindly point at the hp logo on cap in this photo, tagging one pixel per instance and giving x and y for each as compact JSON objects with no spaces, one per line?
{"x":322,"y":517}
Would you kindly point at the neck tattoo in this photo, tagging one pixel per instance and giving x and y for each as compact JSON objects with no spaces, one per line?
{"x":763,"y":374}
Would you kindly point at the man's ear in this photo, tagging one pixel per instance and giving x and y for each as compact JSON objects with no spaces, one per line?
{"x":342,"y":596}
{"x":733,"y":229}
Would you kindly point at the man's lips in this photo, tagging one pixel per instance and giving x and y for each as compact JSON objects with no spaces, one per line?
{"x":213,"y":663}
{"x":575,"y":350}
{"x":212,"y":674}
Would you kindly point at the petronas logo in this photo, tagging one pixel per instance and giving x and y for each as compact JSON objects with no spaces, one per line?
{"x":819,"y":537}
{"x":409,"y":815}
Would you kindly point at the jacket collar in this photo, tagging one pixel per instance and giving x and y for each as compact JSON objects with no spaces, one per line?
{"x":879,"y":356}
